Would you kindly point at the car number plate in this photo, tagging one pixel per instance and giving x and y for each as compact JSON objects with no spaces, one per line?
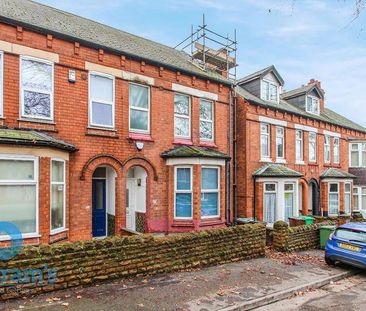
{"x":350,"y":247}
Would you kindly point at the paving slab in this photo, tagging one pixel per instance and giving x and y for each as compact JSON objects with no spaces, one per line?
{"x":212,"y":288}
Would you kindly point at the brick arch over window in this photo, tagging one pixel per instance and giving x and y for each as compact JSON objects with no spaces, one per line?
{"x":140,"y":161}
{"x":98,"y":160}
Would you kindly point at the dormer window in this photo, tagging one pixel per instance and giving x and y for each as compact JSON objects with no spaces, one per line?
{"x":269,"y":91}
{"x":312,"y":105}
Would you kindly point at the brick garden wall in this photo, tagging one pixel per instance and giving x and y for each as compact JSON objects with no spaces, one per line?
{"x":87,"y":262}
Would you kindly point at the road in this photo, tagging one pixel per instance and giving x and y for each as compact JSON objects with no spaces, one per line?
{"x":345,"y":295}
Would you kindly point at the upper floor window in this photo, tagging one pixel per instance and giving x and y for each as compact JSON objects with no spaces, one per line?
{"x":269,"y":91}
{"x":280,"y":142}
{"x":101,"y":100}
{"x":358,"y":155}
{"x":299,"y":146}
{"x":312,"y":147}
{"x":336,"y":153}
{"x":183,"y":192}
{"x":182,"y":116}
{"x":265,"y":141}
{"x":1,"y":82}
{"x":210,"y":188}
{"x":327,"y":149}
{"x":57,"y":195}
{"x":139,"y":101}
{"x":312,"y":105}
{"x":206,"y":120}
{"x":36,"y":88}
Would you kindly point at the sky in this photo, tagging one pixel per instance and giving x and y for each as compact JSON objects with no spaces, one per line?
{"x":304,"y":39}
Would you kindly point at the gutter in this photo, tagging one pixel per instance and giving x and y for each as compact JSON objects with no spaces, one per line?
{"x":109,"y":49}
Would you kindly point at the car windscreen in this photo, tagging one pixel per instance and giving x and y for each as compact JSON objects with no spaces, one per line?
{"x":351,"y":235}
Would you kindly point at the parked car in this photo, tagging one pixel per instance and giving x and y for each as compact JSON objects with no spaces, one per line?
{"x":347,"y":244}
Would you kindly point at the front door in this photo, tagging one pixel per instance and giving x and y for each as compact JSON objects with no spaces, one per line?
{"x":99,"y":208}
{"x":131,"y":204}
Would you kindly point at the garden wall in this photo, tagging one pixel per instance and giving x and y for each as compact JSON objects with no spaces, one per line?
{"x":80,"y":263}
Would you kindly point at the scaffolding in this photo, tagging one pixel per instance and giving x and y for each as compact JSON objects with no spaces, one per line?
{"x":211,"y":51}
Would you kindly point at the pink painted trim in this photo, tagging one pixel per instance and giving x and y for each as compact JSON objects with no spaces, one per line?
{"x":208,"y":144}
{"x":138,"y":136}
{"x":180,"y":141}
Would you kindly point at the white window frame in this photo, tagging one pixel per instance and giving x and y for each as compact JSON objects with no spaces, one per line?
{"x":213,"y":191}
{"x":268,"y":138}
{"x":1,"y":84}
{"x":327,"y":148}
{"x":282,"y":136}
{"x":183,"y":191}
{"x":264,"y":198}
{"x":357,"y":191}
{"x":35,"y":182}
{"x":360,"y":150}
{"x":329,"y":193}
{"x":336,"y":150}
{"x":350,"y":196}
{"x":207,"y":120}
{"x":183,"y":117}
{"x":267,"y":97}
{"x":315,"y":147}
{"x":21,"y":89}
{"x":294,"y":197}
{"x":130,"y":107}
{"x":91,"y":124}
{"x":314,"y":100}
{"x":300,"y":140}
{"x":63,"y":228}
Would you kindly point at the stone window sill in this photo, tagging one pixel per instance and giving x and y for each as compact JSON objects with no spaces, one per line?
{"x":140,"y":137}
{"x":211,"y":222}
{"x":181,"y":141}
{"x":210,"y":144}
{"x":182,"y":223}
{"x":264,"y":160}
{"x":101,"y":132}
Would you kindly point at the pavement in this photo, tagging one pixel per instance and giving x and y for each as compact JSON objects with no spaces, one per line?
{"x":223,"y":287}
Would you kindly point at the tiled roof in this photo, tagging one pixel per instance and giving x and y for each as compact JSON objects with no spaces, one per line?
{"x":261,"y":73}
{"x":33,"y":138}
{"x":53,"y":21}
{"x":194,"y":152}
{"x":276,"y":170}
{"x":327,"y":115}
{"x":336,"y":173}
{"x":301,"y":90}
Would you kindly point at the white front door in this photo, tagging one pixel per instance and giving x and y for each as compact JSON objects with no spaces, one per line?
{"x":131,"y":204}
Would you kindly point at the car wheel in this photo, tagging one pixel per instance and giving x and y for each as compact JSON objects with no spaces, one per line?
{"x":329,"y":261}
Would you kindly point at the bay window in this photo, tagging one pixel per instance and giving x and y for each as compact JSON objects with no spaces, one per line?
{"x":265,"y":141}
{"x":36,"y":88}
{"x":206,"y":120}
{"x":347,"y":198}
{"x":101,"y":100}
{"x":210,"y":196}
{"x":327,"y":149}
{"x":333,"y":198}
{"x":312,"y":147}
{"x":312,"y":105}
{"x":289,"y":200}
{"x":139,"y":102}
{"x":182,"y":116}
{"x":57,"y":195}
{"x":299,"y":146}
{"x":269,"y":91}
{"x":336,"y":153}
{"x":183,"y":193}
{"x":358,"y":155}
{"x":19,"y":192}
{"x":280,"y":142}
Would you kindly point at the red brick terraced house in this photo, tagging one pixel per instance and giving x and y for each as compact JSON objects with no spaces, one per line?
{"x":292,"y":152}
{"x":103,"y":131}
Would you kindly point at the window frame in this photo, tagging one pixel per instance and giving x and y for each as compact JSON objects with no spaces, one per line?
{"x":22,"y":89}
{"x":338,"y":195}
{"x":63,"y":228}
{"x":148,"y":110}
{"x":268,"y":96}
{"x":294,"y":197}
{"x":34,"y":182}
{"x":212,"y":191}
{"x":209,"y":121}
{"x":350,"y":197}
{"x":183,"y":191}
{"x":317,"y":101}
{"x":327,"y":149}
{"x":360,"y":150}
{"x":90,"y":100}
{"x":356,"y":192}
{"x":1,"y":84}
{"x":184,"y":117}
{"x":282,"y":136}
{"x":268,"y":139}
{"x":315,"y":147}
{"x":301,"y":140}
{"x":270,"y":192}
{"x":336,"y":147}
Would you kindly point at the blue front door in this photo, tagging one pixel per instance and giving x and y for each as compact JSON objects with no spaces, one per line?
{"x":99,"y":208}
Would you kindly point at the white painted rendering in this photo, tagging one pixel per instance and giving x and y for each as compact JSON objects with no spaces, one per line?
{"x":333,"y":134}
{"x":194,"y":92}
{"x":306,"y":128}
{"x":272,"y":121}
{"x":195,"y":161}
